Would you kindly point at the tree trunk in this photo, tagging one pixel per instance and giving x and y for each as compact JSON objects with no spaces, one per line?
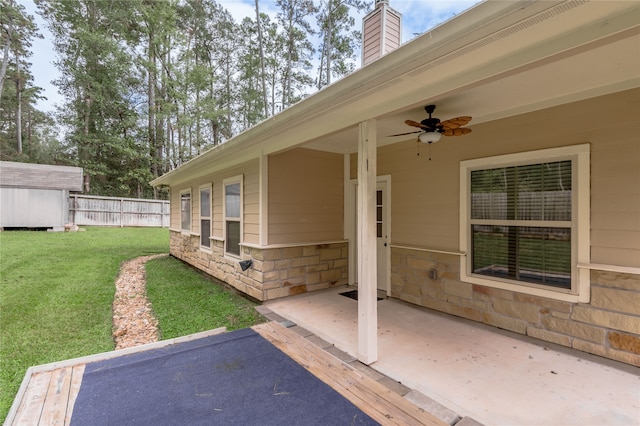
{"x":264,"y":84}
{"x":151,"y":94}
{"x":328,"y":41}
{"x":5,"y":57}
{"x":19,"y":106}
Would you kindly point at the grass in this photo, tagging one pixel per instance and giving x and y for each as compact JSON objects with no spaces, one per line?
{"x":185,"y":301}
{"x":56,"y":292}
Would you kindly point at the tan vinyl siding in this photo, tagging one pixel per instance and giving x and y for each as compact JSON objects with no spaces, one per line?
{"x":305,"y":197}
{"x":174,"y":208}
{"x":195,"y":210}
{"x":372,"y":34}
{"x":392,"y":39}
{"x":250,"y":172}
{"x":425,"y":201}
{"x":381,"y":33}
{"x":217,"y":214}
{"x":251,"y":196}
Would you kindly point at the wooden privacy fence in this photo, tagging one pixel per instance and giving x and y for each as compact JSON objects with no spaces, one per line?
{"x":111,"y":211}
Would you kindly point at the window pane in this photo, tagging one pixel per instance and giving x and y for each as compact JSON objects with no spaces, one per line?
{"x":232,"y":200}
{"x":528,"y":254}
{"x":185,"y":211}
{"x":528,"y":192}
{"x":205,"y":232}
{"x":205,"y":203}
{"x":233,"y":237}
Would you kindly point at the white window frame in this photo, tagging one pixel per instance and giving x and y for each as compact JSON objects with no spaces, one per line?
{"x":580,"y":223}
{"x":230,"y":181}
{"x":210,"y":217}
{"x":182,"y":194}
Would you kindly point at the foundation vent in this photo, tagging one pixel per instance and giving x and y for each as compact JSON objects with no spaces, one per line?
{"x":381,"y":32}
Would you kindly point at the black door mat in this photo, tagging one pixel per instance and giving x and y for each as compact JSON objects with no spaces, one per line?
{"x":353,"y":294}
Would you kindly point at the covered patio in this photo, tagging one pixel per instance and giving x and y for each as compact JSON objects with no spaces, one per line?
{"x":493,"y":376}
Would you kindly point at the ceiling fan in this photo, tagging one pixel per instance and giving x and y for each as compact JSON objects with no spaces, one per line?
{"x":432,"y":129}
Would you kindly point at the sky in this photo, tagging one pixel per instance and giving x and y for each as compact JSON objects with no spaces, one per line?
{"x":418,"y":16}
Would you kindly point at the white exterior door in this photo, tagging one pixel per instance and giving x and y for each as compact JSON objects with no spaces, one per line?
{"x":382,"y":232}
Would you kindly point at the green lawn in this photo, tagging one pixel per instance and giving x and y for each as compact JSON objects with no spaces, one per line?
{"x":56,"y":291}
{"x":186,"y":301}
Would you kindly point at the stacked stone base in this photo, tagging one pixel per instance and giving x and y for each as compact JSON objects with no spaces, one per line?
{"x":608,"y":326}
{"x":275,"y":272}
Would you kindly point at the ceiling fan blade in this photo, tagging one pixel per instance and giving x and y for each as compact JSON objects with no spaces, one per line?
{"x":454,"y":123}
{"x":457,"y":132}
{"x":415,"y":124}
{"x":403,"y":134}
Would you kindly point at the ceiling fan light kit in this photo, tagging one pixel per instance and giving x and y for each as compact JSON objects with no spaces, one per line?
{"x":429,"y":137}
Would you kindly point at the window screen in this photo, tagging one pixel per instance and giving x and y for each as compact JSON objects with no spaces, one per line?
{"x":521,"y":223}
{"x":232,"y":218}
{"x":185,"y":211}
{"x":205,"y":217}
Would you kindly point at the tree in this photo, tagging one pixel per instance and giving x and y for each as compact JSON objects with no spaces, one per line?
{"x":97,"y":80}
{"x":339,"y":39}
{"x":298,"y":49}
{"x":149,"y":84}
{"x":18,"y":29}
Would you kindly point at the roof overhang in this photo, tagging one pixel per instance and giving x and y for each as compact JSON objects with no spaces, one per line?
{"x":493,"y":61}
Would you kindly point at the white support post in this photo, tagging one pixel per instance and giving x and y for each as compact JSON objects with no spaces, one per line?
{"x":367,"y":259}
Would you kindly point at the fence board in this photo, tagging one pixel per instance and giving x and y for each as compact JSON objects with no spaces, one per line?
{"x":123,"y":212}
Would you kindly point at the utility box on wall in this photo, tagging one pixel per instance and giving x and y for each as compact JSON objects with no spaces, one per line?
{"x":35,"y":195}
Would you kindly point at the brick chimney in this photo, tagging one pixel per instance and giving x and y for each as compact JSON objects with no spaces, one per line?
{"x":381,"y":32}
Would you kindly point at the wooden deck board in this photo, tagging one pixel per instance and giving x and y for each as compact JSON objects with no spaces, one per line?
{"x":55,"y":404}
{"x":33,"y":400}
{"x":50,"y":395}
{"x":74,"y":389}
{"x":380,"y":403}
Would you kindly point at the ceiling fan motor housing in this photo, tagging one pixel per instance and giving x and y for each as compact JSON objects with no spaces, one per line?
{"x":431,"y":123}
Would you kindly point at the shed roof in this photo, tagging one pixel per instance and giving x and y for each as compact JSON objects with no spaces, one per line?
{"x":40,"y":176}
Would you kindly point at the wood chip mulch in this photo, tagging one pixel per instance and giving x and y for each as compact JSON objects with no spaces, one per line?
{"x":133,"y":320}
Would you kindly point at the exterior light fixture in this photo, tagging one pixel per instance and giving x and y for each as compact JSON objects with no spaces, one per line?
{"x":429,"y":137}
{"x":246,"y":264}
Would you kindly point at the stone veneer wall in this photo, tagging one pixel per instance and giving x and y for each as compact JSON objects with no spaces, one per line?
{"x":276,"y":272}
{"x":609,"y":326}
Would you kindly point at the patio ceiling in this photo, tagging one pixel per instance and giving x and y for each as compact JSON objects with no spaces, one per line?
{"x":609,"y":67}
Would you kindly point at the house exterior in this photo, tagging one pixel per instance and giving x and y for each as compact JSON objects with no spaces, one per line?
{"x":529,"y":223}
{"x":35,"y":195}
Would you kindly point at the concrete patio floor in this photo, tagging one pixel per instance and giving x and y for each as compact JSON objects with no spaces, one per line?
{"x":494,"y":376}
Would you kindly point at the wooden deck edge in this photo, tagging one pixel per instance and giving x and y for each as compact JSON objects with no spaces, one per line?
{"x":373,"y":398}
{"x":13,"y":411}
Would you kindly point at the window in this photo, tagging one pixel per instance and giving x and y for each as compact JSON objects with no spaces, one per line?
{"x":233,"y":215}
{"x":523,"y":221}
{"x":185,"y":210}
{"x":205,"y":216}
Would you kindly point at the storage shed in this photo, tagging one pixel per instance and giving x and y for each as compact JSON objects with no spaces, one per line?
{"x":35,"y":195}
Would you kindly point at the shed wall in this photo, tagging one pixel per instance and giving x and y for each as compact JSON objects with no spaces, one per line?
{"x":33,"y":208}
